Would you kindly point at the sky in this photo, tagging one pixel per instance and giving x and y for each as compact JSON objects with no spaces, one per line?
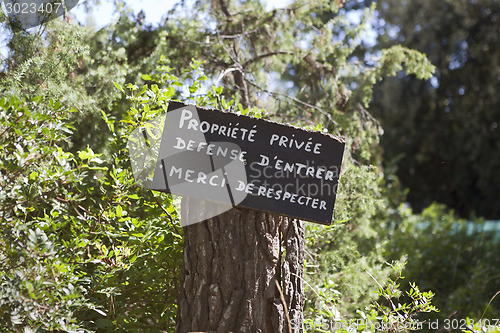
{"x":154,"y":10}
{"x":103,"y":14}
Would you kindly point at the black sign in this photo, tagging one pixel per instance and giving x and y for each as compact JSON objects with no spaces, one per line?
{"x":248,"y":162}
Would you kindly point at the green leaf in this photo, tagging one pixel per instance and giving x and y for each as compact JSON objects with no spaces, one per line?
{"x":83,"y":155}
{"x":170,"y":209}
{"x":119,"y":211}
{"x":119,"y":87}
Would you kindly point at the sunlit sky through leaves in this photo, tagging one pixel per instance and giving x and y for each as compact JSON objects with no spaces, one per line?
{"x":104,"y":13}
{"x":155,"y":10}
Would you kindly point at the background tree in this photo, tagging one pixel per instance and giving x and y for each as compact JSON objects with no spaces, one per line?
{"x":442,"y":134}
{"x":440,"y":139}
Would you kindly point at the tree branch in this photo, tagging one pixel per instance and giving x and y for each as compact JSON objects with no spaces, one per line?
{"x":262,"y":56}
{"x":165,"y":212}
{"x":296,"y":100}
{"x":223,"y":7}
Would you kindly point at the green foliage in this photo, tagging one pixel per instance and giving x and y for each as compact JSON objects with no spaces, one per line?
{"x":456,"y":259}
{"x":81,"y":245}
{"x":40,"y":288}
{"x":483,"y":324}
{"x":388,"y":314}
{"x":415,"y":63}
{"x":45,"y":66}
{"x":401,"y":317}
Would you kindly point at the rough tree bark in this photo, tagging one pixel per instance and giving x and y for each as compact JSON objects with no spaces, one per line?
{"x":230,"y":267}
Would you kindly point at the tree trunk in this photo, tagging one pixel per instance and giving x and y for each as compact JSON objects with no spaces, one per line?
{"x":230,"y":268}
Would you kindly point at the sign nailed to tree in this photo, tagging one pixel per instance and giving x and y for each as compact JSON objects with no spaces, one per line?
{"x":242,"y":161}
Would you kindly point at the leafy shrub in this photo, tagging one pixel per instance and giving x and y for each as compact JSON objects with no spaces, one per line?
{"x":81,"y":246}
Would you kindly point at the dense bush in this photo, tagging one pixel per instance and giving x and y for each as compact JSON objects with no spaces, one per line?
{"x":81,"y":246}
{"x":456,"y":259}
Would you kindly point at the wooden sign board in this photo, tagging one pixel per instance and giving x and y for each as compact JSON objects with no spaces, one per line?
{"x":248,"y":162}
